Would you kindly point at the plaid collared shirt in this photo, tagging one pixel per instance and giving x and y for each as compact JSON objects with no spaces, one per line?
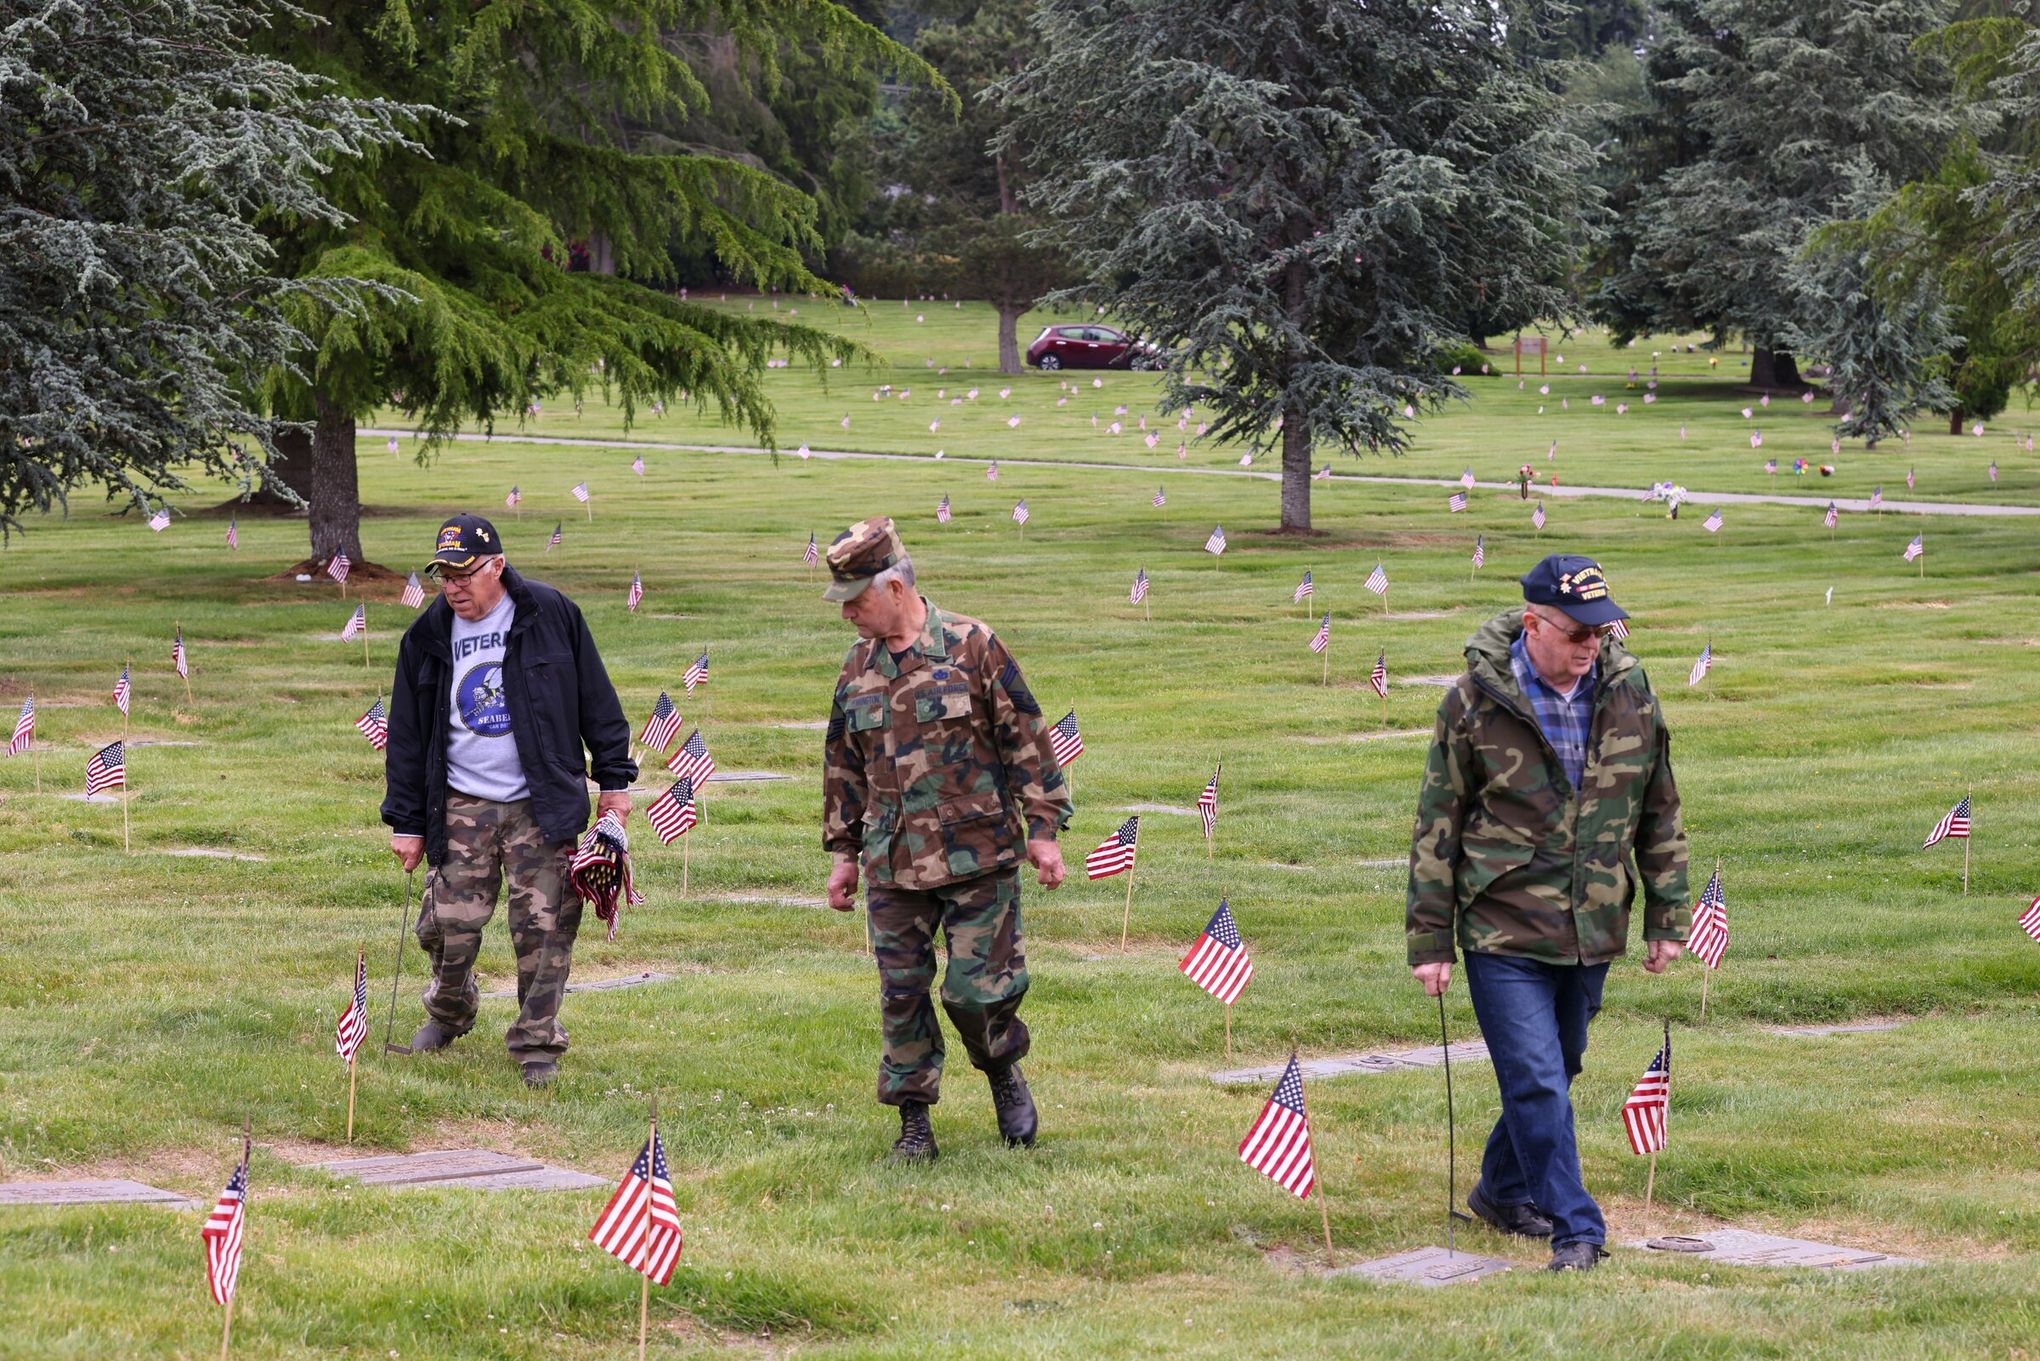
{"x":1567,"y":723}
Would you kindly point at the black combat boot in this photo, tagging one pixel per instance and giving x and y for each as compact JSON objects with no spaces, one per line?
{"x":1525,"y":1221}
{"x":1015,"y":1105}
{"x":916,"y":1143}
{"x":434,"y":1035}
{"x":1576,"y":1257}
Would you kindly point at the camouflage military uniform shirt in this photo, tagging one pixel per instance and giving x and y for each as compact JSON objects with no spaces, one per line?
{"x":1509,"y":856}
{"x":937,"y":767}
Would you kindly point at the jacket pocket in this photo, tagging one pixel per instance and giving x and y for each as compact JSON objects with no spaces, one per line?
{"x":976,"y":832}
{"x":1484,"y":862}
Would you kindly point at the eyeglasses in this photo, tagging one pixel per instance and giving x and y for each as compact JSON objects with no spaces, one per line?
{"x":1578,"y":637}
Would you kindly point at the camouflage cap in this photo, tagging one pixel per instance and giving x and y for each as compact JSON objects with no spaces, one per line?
{"x":1575,"y":585}
{"x":860,"y":553}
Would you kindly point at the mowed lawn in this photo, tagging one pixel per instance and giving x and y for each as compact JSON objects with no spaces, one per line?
{"x":150,"y":1002}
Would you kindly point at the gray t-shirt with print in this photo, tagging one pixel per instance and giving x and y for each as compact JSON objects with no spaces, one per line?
{"x":481,"y":755}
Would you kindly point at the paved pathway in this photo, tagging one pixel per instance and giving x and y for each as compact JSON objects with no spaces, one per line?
{"x":1697,"y":498}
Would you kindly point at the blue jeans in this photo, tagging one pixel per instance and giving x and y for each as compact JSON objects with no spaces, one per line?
{"x":1534,"y":1018}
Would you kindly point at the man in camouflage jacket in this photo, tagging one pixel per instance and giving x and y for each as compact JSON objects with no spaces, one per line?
{"x":938,"y":779}
{"x":1548,"y":797}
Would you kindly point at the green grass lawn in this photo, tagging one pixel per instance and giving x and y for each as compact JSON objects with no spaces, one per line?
{"x":149,"y":1002}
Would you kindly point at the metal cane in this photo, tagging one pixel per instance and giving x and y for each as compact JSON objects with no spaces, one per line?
{"x":396,"y":968}
{"x":1453,"y":1217}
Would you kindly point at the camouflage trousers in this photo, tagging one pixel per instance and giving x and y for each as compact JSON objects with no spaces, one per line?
{"x":486,"y":843}
{"x":981,"y":989}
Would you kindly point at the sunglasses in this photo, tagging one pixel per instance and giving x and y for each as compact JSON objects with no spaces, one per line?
{"x":1578,"y":637}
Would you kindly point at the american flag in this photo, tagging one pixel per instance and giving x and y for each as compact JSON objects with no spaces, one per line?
{"x":554,"y":541}
{"x":178,"y":659}
{"x":234,"y":534}
{"x":660,"y":727}
{"x":1323,"y":474}
{"x":635,"y":596}
{"x":122,"y":689}
{"x":640,"y":1226}
{"x":692,"y":761}
{"x":510,"y":501}
{"x":696,"y":674}
{"x":1993,"y":470}
{"x":1140,"y":586}
{"x":1908,"y":479}
{"x":1115,"y":853}
{"x":992,"y":472}
{"x":414,"y":592}
{"x":1020,"y":512}
{"x":338,"y":566}
{"x":1876,"y":497}
{"x":1619,"y":630}
{"x":1065,"y":741}
{"x":1377,"y":581}
{"x":1712,"y":524}
{"x":357,"y":624}
{"x":1833,"y":514}
{"x":581,"y":491}
{"x":352,"y":1027}
{"x":1322,"y":639}
{"x":1378,"y":677}
{"x":942,"y":510}
{"x":1218,"y":962}
{"x":637,"y":465}
{"x":1770,"y":465}
{"x":1456,"y":502}
{"x":1643,"y":1114}
{"x":1466,"y":479}
{"x":1956,"y":824}
{"x":1160,"y":500}
{"x":160,"y":521}
{"x":1216,"y":543}
{"x":811,"y":555}
{"x":2029,"y":920}
{"x":375,"y":725}
{"x":1207,"y":802}
{"x":1480,"y":550}
{"x":1702,"y":666}
{"x":1537,"y":516}
{"x":1709,"y":937}
{"x":222,"y":1236}
{"x":24,"y":729}
{"x":108,"y":769}
{"x":1916,"y":547}
{"x":672,"y":814}
{"x":1278,"y":1145}
{"x":1304,"y":589}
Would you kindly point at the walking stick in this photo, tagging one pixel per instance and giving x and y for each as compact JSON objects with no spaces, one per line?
{"x":403,"y":922}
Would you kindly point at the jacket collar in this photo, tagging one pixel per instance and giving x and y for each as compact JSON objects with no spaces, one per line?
{"x":1487,"y":657}
{"x":436,"y":624}
{"x":929,"y":647}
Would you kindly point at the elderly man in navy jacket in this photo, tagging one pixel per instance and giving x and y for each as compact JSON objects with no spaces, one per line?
{"x":498,"y":690}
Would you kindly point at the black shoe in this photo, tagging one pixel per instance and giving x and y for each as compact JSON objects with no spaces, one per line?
{"x":1524,"y":1221}
{"x":540,"y":1072}
{"x":916,"y":1143}
{"x":1015,"y":1105}
{"x":1576,"y":1257}
{"x":434,"y":1035}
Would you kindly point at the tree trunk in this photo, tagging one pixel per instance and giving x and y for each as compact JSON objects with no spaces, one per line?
{"x":1771,"y":368}
{"x":1295,"y":469}
{"x":1955,"y":421}
{"x":292,"y":466}
{"x":601,"y":253}
{"x":1009,"y":337}
{"x":333,"y":487}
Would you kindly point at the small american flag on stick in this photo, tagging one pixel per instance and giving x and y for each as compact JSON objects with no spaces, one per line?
{"x":414,"y":592}
{"x":338,"y":566}
{"x":1708,"y":940}
{"x":1304,"y":589}
{"x":1917,"y":547}
{"x":696,"y":673}
{"x":942,"y":511}
{"x":2029,"y":920}
{"x":352,"y":1027}
{"x":160,"y":521}
{"x":1955,"y":825}
{"x":1140,"y":586}
{"x":554,"y":541}
{"x":1833,"y":514}
{"x":375,"y":725}
{"x":178,"y":658}
{"x":1207,"y":802}
{"x":1643,"y":1114}
{"x":222,"y":1235}
{"x":660,"y":727}
{"x":234,"y":533}
{"x":640,"y":1226}
{"x":636,"y":595}
{"x":1278,"y":1144}
{"x":812,"y":554}
{"x":357,"y":624}
{"x":1215,"y":544}
{"x":1619,"y":630}
{"x":1218,"y":962}
{"x":1020,"y":512}
{"x":1537,"y":516}
{"x":1378,"y":677}
{"x":1377,"y":581}
{"x":992,"y":472}
{"x":1712,"y":524}
{"x":24,"y":729}
{"x":673,"y":813}
{"x":1480,"y":550}
{"x":123,"y":688}
{"x":1702,"y":666}
{"x":108,"y":769}
{"x":1322,"y":639}
{"x":1065,"y":741}
{"x":1159,"y":499}
{"x":691,"y":760}
{"x":1115,"y":854}
{"x":1456,"y":502}
{"x":510,"y":501}
{"x":581,"y":492}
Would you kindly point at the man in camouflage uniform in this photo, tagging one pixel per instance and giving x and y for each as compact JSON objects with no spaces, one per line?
{"x":938,"y":779}
{"x":499,"y":688}
{"x":1549,"y":771}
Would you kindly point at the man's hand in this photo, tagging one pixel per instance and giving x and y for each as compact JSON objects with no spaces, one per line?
{"x":409,"y":850}
{"x":843,"y":885}
{"x":1662,"y":952}
{"x":1046,"y":857}
{"x":615,"y":801}
{"x":1435,"y":977}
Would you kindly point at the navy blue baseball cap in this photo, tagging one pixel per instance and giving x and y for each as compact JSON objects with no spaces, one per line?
{"x":1575,"y":585}
{"x":464,"y":540}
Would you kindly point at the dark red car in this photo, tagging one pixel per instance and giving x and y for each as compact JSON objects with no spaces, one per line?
{"x":1090,"y":346}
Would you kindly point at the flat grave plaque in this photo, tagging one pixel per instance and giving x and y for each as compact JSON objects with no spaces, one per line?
{"x":1338,"y":1065}
{"x":110,"y":1191}
{"x":598,"y":985}
{"x":1430,"y":1267}
{"x":1846,"y":1028}
{"x":745,"y":776}
{"x":438,"y":1165}
{"x":543,"y":1179}
{"x":1175,"y":810}
{"x":1742,"y":1247}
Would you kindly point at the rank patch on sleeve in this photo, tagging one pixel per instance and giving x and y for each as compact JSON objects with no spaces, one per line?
{"x":1016,"y":689}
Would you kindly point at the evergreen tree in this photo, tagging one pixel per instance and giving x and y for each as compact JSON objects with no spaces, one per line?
{"x":556,"y":127}
{"x":1302,"y":200}
{"x":1758,"y":108}
{"x":138,"y":304}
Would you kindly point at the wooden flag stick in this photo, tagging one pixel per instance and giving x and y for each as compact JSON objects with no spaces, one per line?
{"x":227,"y":1327}
{"x":644,"y":1314}
{"x":1965,"y":848}
{"x":350,"y":1100}
{"x":1649,"y":1189}
{"x":686,"y":858}
{"x":589,"y":505}
{"x":35,"y":754}
{"x":1705,"y":978}
{"x":1126,"y":918}
{"x":1325,"y":1217}
{"x":1228,"y":1031}
{"x":1326,"y":677}
{"x":1384,"y":711}
{"x":364,"y":643}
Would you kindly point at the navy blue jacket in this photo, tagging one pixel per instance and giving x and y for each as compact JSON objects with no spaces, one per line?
{"x":560,"y":701}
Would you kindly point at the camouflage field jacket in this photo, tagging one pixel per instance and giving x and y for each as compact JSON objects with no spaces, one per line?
{"x":937,"y":767}
{"x":1508,"y":859}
